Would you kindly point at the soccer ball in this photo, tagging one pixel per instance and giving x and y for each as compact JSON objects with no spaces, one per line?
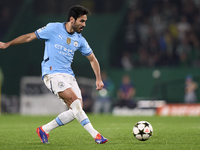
{"x":142,"y":130}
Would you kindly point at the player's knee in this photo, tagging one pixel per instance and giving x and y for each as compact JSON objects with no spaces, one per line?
{"x":76,"y":105}
{"x":79,"y":113}
{"x":68,"y":95}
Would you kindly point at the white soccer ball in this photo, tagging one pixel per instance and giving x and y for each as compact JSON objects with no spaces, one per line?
{"x":142,"y":130}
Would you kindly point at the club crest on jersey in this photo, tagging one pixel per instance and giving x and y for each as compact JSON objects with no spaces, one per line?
{"x":68,"y":41}
{"x":60,"y":84}
{"x":76,"y":44}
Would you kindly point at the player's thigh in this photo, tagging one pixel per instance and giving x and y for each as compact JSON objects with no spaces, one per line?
{"x":76,"y":89}
{"x":73,"y":91}
{"x":68,"y":96}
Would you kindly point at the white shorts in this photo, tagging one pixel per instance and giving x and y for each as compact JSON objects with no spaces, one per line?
{"x":59,"y":82}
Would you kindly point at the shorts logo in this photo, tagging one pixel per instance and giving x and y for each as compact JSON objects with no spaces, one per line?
{"x":60,"y":84}
{"x":68,"y":41}
{"x":76,"y":44}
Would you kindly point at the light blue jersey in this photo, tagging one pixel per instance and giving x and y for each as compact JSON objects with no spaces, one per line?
{"x":60,"y":47}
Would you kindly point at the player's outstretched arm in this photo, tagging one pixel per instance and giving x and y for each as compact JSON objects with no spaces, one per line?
{"x":19,"y":40}
{"x":96,"y":68}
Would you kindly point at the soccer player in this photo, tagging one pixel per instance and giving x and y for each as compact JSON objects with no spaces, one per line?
{"x":61,"y":42}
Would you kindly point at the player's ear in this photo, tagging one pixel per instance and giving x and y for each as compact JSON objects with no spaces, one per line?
{"x":72,"y":20}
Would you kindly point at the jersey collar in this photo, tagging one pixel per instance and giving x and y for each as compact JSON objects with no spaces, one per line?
{"x":66,"y":29}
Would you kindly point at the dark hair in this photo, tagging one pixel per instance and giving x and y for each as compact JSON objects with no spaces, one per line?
{"x":77,"y":11}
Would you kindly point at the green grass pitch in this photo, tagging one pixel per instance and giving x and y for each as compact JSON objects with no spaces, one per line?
{"x":170,"y":133}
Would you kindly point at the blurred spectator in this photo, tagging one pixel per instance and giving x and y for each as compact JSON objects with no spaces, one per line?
{"x":157,"y":20}
{"x":131,"y":37}
{"x":183,"y":27}
{"x":190,"y":10}
{"x":144,"y":29}
{"x":183,"y":50}
{"x":104,"y":98}
{"x":126,"y":61}
{"x":126,"y":93}
{"x":190,"y":87}
{"x":143,"y":57}
{"x":168,"y":32}
{"x":195,"y":50}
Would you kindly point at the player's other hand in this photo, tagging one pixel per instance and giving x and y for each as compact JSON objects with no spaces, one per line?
{"x":99,"y":85}
{"x":3,"y":45}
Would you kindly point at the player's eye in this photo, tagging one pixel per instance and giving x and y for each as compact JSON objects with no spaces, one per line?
{"x":82,"y":21}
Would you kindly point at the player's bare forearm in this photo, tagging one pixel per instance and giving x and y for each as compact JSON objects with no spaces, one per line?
{"x":19,"y":40}
{"x":96,"y":68}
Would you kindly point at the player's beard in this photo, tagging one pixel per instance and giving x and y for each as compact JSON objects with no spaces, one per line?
{"x":77,"y":28}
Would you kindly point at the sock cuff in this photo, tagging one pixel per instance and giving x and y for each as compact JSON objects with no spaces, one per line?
{"x":59,"y":122}
{"x":85,"y":121}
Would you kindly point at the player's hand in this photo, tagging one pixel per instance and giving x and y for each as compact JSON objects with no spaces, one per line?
{"x":3,"y":45}
{"x":99,"y":85}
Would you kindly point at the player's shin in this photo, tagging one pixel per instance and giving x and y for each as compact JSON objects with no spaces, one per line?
{"x":62,"y":119}
{"x":82,"y":118}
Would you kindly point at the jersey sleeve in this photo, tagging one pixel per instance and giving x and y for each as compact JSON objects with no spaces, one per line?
{"x":44,"y":33}
{"x":85,"y":48}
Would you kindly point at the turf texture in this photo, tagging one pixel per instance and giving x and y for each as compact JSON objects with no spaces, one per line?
{"x":169,"y":133}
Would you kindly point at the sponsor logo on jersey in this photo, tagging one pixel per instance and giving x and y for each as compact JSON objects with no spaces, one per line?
{"x":64,"y":50}
{"x":68,"y":41}
{"x":76,"y":44}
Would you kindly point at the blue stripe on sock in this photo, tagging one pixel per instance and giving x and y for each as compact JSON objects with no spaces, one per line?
{"x":59,"y":122}
{"x":84,"y":122}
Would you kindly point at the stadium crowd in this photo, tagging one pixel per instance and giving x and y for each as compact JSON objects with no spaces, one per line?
{"x":156,"y":32}
{"x":162,"y":33}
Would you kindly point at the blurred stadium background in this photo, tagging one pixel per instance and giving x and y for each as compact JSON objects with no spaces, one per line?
{"x":134,"y":37}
